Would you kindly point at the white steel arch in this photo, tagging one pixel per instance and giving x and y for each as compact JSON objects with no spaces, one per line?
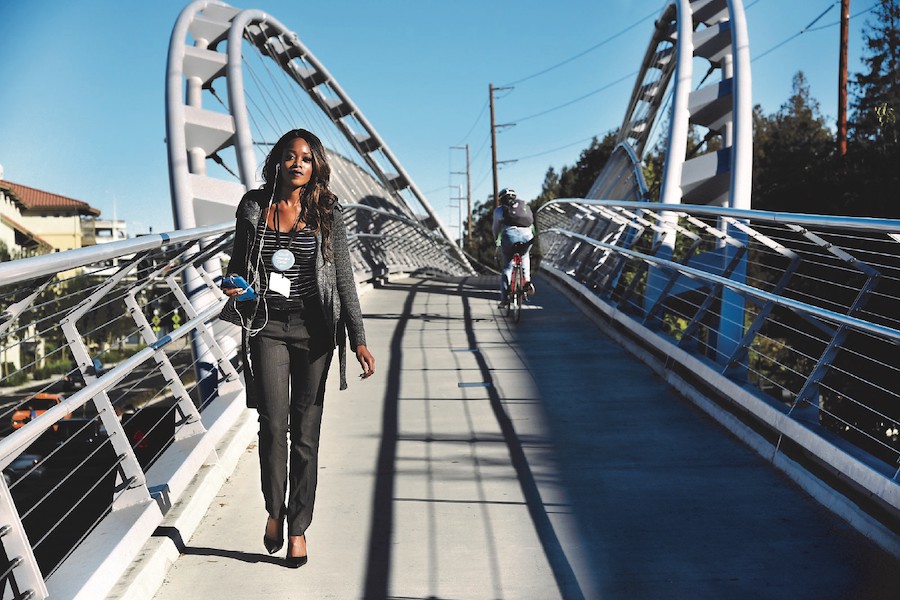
{"x":687,"y":35}
{"x":711,"y":35}
{"x":198,"y":134}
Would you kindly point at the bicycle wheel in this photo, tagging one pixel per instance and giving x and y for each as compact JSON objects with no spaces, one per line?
{"x":519,"y":292}
{"x":504,"y":300}
{"x":511,"y":294}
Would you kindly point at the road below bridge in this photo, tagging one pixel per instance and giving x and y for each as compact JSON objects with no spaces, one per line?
{"x":488,"y":459}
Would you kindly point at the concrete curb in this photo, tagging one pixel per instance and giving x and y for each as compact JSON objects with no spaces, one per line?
{"x":147,"y":572}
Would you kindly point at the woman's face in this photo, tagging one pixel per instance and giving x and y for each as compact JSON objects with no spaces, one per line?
{"x":296,"y":164}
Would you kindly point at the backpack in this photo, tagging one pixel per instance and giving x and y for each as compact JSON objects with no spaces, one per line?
{"x":517,"y":214}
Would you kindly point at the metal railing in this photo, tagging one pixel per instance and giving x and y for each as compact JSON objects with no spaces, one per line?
{"x":105,"y":423}
{"x":791,"y":321}
{"x":103,"y":420}
{"x":383,"y":242}
{"x":118,"y":381}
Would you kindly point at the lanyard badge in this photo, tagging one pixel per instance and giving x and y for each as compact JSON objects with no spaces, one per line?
{"x":283,"y":259}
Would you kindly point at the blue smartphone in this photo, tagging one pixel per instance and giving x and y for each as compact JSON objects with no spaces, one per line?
{"x":236,"y":281}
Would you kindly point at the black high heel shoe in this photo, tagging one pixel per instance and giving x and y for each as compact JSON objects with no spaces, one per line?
{"x":295,"y":562}
{"x":273,"y":545}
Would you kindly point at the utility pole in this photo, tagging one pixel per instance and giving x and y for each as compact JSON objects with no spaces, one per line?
{"x":469,"y":198}
{"x":468,"y":174}
{"x":494,"y":126}
{"x":456,"y":202}
{"x":493,"y":145}
{"x":842,"y":79}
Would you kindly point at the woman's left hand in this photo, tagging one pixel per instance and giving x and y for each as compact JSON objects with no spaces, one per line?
{"x":366,"y":361}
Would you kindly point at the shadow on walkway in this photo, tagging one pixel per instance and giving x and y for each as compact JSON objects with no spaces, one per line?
{"x":489,"y":459}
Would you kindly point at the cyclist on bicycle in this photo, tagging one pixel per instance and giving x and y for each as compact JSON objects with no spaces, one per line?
{"x":513,"y":222}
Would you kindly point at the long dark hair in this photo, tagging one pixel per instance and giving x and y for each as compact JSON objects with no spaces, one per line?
{"x":318,"y":200}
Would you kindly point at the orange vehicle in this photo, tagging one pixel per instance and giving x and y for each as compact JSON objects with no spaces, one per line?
{"x":34,"y":406}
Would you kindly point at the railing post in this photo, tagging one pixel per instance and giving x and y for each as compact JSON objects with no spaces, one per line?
{"x":9,"y":315}
{"x":190,"y":423}
{"x":133,"y":485}
{"x":204,"y":332}
{"x":811,"y":385}
{"x":23,"y":573}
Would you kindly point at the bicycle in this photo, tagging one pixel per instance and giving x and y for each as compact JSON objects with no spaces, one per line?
{"x":516,"y":293}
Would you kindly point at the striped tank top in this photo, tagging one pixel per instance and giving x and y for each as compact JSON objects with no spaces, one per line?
{"x":302,"y":274}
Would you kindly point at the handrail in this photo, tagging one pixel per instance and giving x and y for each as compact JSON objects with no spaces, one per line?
{"x":56,"y":309}
{"x":855,"y":223}
{"x":49,"y":264}
{"x":828,"y":315}
{"x":789,"y":321}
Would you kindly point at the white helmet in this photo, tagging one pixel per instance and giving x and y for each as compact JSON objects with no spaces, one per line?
{"x":507,"y":195}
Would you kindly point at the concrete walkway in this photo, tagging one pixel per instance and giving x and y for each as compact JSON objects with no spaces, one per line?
{"x":535,"y":461}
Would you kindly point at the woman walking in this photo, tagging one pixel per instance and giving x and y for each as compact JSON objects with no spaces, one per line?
{"x":291,"y":246}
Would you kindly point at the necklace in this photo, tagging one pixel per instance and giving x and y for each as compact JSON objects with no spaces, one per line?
{"x":283,"y":259}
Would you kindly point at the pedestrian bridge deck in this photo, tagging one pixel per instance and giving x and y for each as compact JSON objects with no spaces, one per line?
{"x":488,"y":459}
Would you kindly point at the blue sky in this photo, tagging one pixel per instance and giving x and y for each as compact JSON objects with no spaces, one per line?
{"x":82,"y":105}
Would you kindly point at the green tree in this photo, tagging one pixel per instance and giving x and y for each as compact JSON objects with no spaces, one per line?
{"x":794,"y":156}
{"x":549,"y":189}
{"x":874,"y":150}
{"x":576,"y":181}
{"x":879,"y":86}
{"x":483,"y":247}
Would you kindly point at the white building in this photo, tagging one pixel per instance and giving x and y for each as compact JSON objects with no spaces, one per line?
{"x":102,"y":231}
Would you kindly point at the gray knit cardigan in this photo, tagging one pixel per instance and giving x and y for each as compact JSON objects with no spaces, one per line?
{"x":334,"y":279}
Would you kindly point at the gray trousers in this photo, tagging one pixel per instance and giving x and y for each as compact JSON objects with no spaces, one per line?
{"x":291,"y":356}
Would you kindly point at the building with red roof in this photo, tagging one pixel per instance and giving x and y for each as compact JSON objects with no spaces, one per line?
{"x":36,"y":221}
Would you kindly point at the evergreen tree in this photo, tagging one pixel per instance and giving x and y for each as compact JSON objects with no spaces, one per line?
{"x":483,"y":248}
{"x":549,"y":190}
{"x":576,"y":181}
{"x":874,"y":150}
{"x":793,"y":156}
{"x":880,"y":85}
{"x":654,"y":162}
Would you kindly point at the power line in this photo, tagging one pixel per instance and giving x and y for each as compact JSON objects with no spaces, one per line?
{"x":832,"y":24}
{"x":579,"y":99}
{"x":798,"y":34}
{"x":605,"y":87}
{"x":437,"y":189}
{"x":600,"y":135}
{"x":583,"y":52}
{"x":483,"y":145}
{"x":620,"y":80}
{"x":472,"y":128}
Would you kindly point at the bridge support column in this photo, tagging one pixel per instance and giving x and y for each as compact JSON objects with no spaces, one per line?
{"x":731,"y":316}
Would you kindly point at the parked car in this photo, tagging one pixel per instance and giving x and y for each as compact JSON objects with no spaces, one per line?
{"x":34,"y":406}
{"x":74,"y":380}
{"x":21,"y":466}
